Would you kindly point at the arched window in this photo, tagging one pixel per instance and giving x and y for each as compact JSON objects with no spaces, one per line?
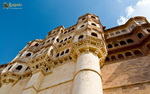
{"x":65,"y":39}
{"x":117,"y":32}
{"x":113,"y":58}
{"x":94,"y":34}
{"x":130,"y":41}
{"x":148,"y":30}
{"x":62,"y":53}
{"x":28,"y":54}
{"x":19,"y":67}
{"x":80,"y":37}
{"x":122,"y":42}
{"x":123,"y":31}
{"x":107,"y":59}
{"x":83,"y":19}
{"x":82,"y":26}
{"x":47,"y":69}
{"x":53,"y":32}
{"x":53,"y":38}
{"x":93,"y":17}
{"x":109,"y":46}
{"x":68,"y":31}
{"x":37,"y":66}
{"x":70,"y":37}
{"x":57,"y":40}
{"x":120,"y":56}
{"x":67,"y":51}
{"x":112,"y":34}
{"x":140,"y":35}
{"x":128,"y":54}
{"x":116,"y":45}
{"x":61,"y":31}
{"x":138,"y":52}
{"x":72,"y":29}
{"x":61,"y":41}
{"x":93,"y":24}
{"x":57,"y":55}
{"x":148,"y":46}
{"x":36,"y":44}
{"x":70,"y":57}
{"x":65,"y":32}
{"x":47,"y":41}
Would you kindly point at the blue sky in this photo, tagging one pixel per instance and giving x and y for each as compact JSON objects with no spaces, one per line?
{"x":38,"y":17}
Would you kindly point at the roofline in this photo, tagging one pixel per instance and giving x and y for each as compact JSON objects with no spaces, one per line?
{"x":131,"y":19}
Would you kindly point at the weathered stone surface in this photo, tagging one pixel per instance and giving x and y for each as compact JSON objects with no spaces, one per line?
{"x":126,"y":73}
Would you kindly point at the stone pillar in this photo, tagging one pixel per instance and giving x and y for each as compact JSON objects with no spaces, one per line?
{"x":34,"y":83}
{"x":6,"y":88}
{"x":87,"y":79}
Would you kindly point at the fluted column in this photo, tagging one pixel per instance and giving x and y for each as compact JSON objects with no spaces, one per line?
{"x":87,"y":79}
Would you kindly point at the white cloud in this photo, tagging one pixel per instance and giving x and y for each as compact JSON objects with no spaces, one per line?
{"x":141,"y":8}
{"x":122,"y":20}
{"x":129,"y":10}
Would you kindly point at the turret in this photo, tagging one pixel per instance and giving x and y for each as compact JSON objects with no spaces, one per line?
{"x":90,"y":51}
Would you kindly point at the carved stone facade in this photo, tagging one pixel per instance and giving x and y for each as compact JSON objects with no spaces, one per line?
{"x":85,"y":58}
